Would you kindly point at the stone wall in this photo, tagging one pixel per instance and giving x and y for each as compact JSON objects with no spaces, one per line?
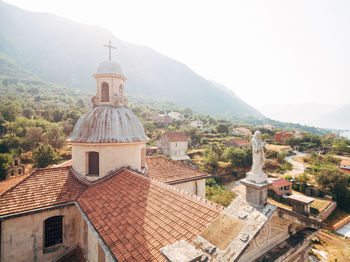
{"x":327,"y":212}
{"x":196,"y":187}
{"x":341,"y":223}
{"x":178,"y":149}
{"x":22,"y":237}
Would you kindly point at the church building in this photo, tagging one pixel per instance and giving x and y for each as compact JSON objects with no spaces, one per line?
{"x":114,"y":204}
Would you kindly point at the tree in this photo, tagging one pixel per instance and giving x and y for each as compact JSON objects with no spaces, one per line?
{"x":337,"y":183}
{"x":11,"y":111}
{"x":331,"y":179}
{"x":44,"y":155}
{"x":5,"y":160}
{"x":35,"y":134}
{"x":239,"y":158}
{"x":210,"y":160}
{"x":222,"y":128}
{"x":54,"y":136}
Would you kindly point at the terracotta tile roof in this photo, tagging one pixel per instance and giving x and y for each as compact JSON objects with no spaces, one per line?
{"x":344,"y":170}
{"x":9,"y":183}
{"x":44,"y":187}
{"x":136,"y":216}
{"x":171,"y":172}
{"x":176,"y":136}
{"x":281,"y":183}
{"x":345,"y":162}
{"x":243,"y":130}
{"x":241,"y":142}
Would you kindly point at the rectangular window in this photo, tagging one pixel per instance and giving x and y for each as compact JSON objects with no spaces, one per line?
{"x":53,"y":231}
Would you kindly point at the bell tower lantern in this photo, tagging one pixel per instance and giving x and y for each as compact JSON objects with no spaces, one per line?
{"x":109,"y":83}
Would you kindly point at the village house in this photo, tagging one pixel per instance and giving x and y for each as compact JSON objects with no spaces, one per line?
{"x":344,"y":166}
{"x":174,"y":145}
{"x":197,"y":124}
{"x":16,"y":169}
{"x":280,"y":137}
{"x":269,"y":126}
{"x":161,"y":120}
{"x":238,"y":143}
{"x":282,"y":187}
{"x":106,"y":207}
{"x":241,"y":131}
{"x":175,"y":115}
{"x":174,"y":173}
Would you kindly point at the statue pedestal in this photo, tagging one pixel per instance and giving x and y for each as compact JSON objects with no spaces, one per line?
{"x":256,"y":178}
{"x":256,"y":193}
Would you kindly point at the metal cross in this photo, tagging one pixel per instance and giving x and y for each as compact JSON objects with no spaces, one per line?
{"x":110,"y":47}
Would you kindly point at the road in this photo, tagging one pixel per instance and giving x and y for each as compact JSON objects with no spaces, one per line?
{"x":298,"y":167}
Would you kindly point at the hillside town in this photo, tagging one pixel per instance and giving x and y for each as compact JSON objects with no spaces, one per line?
{"x":182,"y":172}
{"x":187,"y":131}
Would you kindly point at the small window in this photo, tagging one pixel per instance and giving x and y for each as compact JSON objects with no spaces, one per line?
{"x":19,"y":171}
{"x":281,"y":188}
{"x":94,"y":163}
{"x":53,"y":231}
{"x":16,"y":162}
{"x":121,"y":93}
{"x":105,"y":92}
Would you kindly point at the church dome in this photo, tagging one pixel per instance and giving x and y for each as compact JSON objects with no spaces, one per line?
{"x":109,"y":67}
{"x":107,"y":124}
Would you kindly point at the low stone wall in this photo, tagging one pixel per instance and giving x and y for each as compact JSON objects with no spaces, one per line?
{"x":341,"y":223}
{"x":327,"y":212}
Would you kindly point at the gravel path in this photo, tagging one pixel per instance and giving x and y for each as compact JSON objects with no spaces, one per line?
{"x":298,"y":167}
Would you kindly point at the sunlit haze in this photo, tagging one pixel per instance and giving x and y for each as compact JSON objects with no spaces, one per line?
{"x":267,"y":52}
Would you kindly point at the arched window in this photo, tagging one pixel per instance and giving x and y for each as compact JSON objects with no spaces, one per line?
{"x":53,"y":231}
{"x":94,"y":165}
{"x":121,"y":93}
{"x":105,"y":92}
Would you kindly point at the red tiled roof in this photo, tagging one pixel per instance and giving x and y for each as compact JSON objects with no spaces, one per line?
{"x":345,"y":162}
{"x":136,"y":216}
{"x":169,"y":171}
{"x":176,"y":136}
{"x":44,"y":187}
{"x":344,"y":170}
{"x":241,"y":142}
{"x":281,"y":183}
{"x":10,"y":183}
{"x":243,"y":130}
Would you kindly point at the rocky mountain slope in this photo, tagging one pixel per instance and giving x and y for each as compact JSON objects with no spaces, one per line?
{"x":67,"y":53}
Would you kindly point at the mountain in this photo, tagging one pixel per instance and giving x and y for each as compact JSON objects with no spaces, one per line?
{"x":67,"y":53}
{"x":321,"y":115}
{"x":303,"y":113}
{"x":338,"y":118}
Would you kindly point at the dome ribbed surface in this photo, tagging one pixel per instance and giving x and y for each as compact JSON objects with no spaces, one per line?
{"x":107,"y":124}
{"x":109,"y":67}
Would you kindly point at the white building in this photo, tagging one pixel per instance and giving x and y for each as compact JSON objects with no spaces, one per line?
{"x":174,"y":145}
{"x":175,"y":115}
{"x":197,"y":124}
{"x":345,"y":164}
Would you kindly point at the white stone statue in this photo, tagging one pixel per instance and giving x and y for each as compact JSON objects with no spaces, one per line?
{"x":256,"y":174}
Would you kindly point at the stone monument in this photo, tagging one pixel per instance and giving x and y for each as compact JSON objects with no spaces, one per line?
{"x":256,"y":180}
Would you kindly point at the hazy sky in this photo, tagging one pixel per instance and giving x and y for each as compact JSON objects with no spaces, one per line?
{"x":267,"y":52}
